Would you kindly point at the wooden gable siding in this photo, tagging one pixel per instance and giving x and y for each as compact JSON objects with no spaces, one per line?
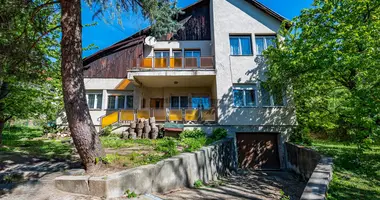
{"x":196,"y":23}
{"x":114,"y":65}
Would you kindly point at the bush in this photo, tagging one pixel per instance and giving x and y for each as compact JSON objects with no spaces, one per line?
{"x":218,"y":134}
{"x":301,"y":136}
{"x":196,"y":133}
{"x":198,"y":184}
{"x":167,"y":145}
{"x":106,"y":131}
{"x":193,"y":144}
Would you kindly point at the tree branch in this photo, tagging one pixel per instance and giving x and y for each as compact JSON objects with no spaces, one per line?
{"x":40,"y":7}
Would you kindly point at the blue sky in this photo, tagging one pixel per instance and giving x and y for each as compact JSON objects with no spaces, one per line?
{"x":105,"y":34}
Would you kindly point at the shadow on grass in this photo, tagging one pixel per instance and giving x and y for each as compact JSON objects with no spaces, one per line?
{"x":356,"y":176}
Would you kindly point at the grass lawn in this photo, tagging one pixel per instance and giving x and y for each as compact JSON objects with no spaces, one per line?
{"x":119,"y":153}
{"x":353,"y":178}
{"x":29,"y":141}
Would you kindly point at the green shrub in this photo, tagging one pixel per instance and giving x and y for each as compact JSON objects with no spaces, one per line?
{"x":167,"y":145}
{"x":130,"y":194}
{"x":106,"y":131}
{"x":196,"y":133}
{"x":218,"y":134}
{"x":301,"y":136}
{"x":193,"y":144}
{"x":198,"y":184}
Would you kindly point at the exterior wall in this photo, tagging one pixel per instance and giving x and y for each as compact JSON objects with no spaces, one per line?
{"x":106,"y":86}
{"x":166,"y":93}
{"x":243,"y":18}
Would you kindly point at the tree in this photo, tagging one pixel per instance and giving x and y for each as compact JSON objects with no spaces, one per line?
{"x":330,"y":57}
{"x":85,"y":137}
{"x":29,"y":70}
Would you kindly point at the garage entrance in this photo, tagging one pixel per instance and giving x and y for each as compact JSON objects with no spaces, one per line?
{"x":258,"y":150}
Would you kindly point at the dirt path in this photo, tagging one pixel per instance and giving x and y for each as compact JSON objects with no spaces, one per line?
{"x":25,"y":177}
{"x":246,"y":185}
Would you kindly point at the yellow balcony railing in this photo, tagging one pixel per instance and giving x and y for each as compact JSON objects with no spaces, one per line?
{"x":110,"y":119}
{"x":202,"y":62}
{"x":161,"y":115}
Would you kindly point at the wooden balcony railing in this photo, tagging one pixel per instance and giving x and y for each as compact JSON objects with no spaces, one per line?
{"x":174,"y":63}
{"x":161,"y":115}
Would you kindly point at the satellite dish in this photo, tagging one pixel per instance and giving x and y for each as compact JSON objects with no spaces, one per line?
{"x":150,"y":41}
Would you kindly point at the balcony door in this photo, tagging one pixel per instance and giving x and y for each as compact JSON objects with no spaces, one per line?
{"x":161,"y":59}
{"x":157,"y":103}
{"x":193,"y":58}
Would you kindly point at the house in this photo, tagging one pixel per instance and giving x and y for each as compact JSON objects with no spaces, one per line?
{"x":209,"y":74}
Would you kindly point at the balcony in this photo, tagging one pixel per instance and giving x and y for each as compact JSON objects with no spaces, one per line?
{"x":161,"y":115}
{"x":174,"y":63}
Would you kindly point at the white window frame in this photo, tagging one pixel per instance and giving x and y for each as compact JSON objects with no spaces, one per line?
{"x":265,"y":42}
{"x":245,"y":88}
{"x":95,"y":100}
{"x":117,"y":101}
{"x":240,"y":46}
{"x":179,"y":99}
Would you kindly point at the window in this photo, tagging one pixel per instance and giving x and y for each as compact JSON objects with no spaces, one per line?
{"x":94,"y":100}
{"x":275,"y":99}
{"x":161,"y":54}
{"x":244,"y":95}
{"x":178,"y":102}
{"x":240,"y":45}
{"x":195,"y":55}
{"x":120,"y":102}
{"x":263,"y":42}
{"x":200,"y":103}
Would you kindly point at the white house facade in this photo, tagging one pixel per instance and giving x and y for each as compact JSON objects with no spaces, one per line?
{"x":207,"y":75}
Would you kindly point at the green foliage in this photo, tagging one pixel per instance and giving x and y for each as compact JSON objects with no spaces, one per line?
{"x":196,"y":133}
{"x":28,"y":141}
{"x":354,"y":177}
{"x":130,"y":194}
{"x":301,"y":136}
{"x":284,"y":196}
{"x":107,"y":131}
{"x":193,"y":144}
{"x":218,"y":134}
{"x":29,"y":56}
{"x":160,"y":13}
{"x":198,"y":184}
{"x":330,"y":60}
{"x":167,"y":145}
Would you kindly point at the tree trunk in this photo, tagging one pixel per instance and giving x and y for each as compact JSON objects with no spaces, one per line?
{"x":83,"y":132}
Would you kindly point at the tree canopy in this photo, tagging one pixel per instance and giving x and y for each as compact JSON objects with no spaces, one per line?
{"x":330,"y":57}
{"x":29,"y":57}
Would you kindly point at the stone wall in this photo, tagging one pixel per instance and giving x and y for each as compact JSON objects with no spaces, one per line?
{"x":179,"y":171}
{"x":316,"y":169}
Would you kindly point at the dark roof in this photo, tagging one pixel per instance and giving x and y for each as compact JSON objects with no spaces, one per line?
{"x":140,"y":35}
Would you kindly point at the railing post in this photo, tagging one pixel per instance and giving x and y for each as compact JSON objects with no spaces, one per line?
{"x":166,"y":114}
{"x":119,"y":116}
{"x":153,"y":62}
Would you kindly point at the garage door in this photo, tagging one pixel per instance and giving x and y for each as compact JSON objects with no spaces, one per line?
{"x":258,"y":150}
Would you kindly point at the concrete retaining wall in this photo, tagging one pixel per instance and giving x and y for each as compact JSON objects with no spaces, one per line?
{"x":179,"y":171}
{"x":313,"y":167}
{"x":301,"y":160}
